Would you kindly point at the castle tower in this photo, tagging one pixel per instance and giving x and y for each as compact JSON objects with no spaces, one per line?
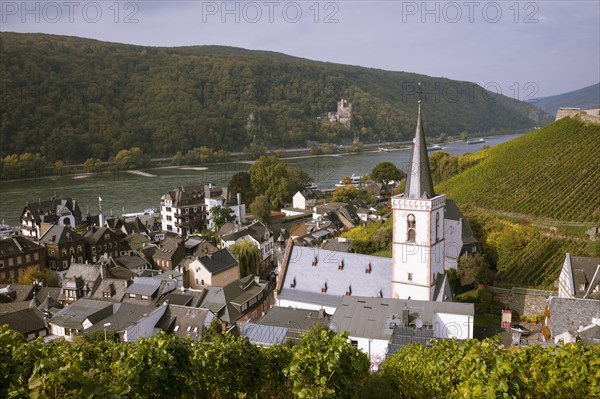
{"x":418,"y":233}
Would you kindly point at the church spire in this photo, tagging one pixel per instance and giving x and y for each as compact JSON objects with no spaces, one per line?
{"x":418,"y":180}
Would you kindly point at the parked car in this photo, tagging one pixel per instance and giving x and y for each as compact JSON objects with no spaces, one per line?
{"x":519,"y":328}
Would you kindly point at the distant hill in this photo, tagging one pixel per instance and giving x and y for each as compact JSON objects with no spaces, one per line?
{"x":72,"y":98}
{"x":552,"y":172}
{"x":588,"y":97}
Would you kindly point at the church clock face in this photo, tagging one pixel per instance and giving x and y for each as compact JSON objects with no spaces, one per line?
{"x":411,"y":218}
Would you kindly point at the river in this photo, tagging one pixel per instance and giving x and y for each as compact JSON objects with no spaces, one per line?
{"x":134,"y":192}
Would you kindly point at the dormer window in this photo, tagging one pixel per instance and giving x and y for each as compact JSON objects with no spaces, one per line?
{"x":437,"y":226}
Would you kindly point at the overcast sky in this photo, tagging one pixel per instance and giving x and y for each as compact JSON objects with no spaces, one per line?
{"x":526,"y":49}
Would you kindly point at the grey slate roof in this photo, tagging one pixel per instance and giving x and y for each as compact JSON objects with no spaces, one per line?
{"x":15,"y":245}
{"x":586,"y":273}
{"x":264,"y":335}
{"x":219,"y":261}
{"x":116,"y":287}
{"x":225,"y":301}
{"x":256,"y":230}
{"x":185,"y":321}
{"x":125,"y":315}
{"x":569,"y":314}
{"x":57,"y":206}
{"x":299,"y":319}
{"x":418,"y":178}
{"x":309,"y":280}
{"x":59,"y":234}
{"x":371,"y":317}
{"x":25,"y":321}
{"x":143,"y":286}
{"x":74,"y":315}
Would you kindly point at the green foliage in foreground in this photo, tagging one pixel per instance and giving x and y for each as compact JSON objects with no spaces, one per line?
{"x":485,"y":369}
{"x":323,"y":365}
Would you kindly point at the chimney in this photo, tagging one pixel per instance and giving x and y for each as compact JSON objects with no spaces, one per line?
{"x":239,"y":198}
{"x":101,"y":219}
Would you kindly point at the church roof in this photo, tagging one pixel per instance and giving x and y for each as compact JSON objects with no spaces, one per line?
{"x":418,"y":180}
{"x":333,"y":276}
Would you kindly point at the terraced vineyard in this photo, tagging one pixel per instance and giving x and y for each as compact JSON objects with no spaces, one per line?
{"x":552,"y":172}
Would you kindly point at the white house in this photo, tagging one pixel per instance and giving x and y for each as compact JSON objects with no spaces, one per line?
{"x":371,"y":322}
{"x":187,"y":209}
{"x":257,"y":234}
{"x":304,"y":200}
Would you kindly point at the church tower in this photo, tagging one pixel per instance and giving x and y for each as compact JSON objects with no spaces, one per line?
{"x":418,"y":233}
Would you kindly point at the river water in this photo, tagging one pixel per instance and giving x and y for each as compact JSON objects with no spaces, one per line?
{"x":130,"y":192}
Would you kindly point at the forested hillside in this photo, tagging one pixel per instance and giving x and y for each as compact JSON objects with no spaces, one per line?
{"x":552,"y":172}
{"x":71,"y":99}
{"x":588,"y":97}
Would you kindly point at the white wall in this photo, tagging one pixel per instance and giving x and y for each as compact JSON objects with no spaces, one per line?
{"x":302,"y":305}
{"x":145,"y":327}
{"x":448,"y":325}
{"x":375,"y":349}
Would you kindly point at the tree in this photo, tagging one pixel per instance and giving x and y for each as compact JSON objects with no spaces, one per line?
{"x":326,"y":365}
{"x":344,"y":194}
{"x":32,"y":274}
{"x":261,"y":208}
{"x":386,"y":171}
{"x":475,"y":270}
{"x":240,"y":183}
{"x":276,"y":180}
{"x":133,"y":158}
{"x":59,"y":166}
{"x":248,"y":257}
{"x":221,"y":215}
{"x":92,"y":165}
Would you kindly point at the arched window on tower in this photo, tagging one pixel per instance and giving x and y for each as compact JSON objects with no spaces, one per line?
{"x":410,"y":228}
{"x":437,"y":226}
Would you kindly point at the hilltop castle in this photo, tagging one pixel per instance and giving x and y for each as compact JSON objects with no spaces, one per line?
{"x":343,"y":114}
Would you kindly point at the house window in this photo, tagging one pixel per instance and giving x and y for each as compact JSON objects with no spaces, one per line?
{"x":50,"y":252}
{"x":106,"y":294}
{"x":52,"y":264}
{"x":1,"y":264}
{"x":94,"y":249}
{"x":145,"y":297}
{"x":437,"y":226}
{"x":169,"y":227}
{"x":244,"y":306}
{"x":411,"y":225}
{"x":254,"y":315}
{"x":169,"y":218}
{"x":64,"y":252}
{"x":80,"y":259}
{"x":65,"y":264}
{"x":79,"y":249}
{"x":168,"y":209}
{"x":11,"y":261}
{"x":410,"y":276}
{"x":176,"y":328}
{"x":132,"y":296}
{"x":28,"y":258}
{"x":354,"y":343}
{"x":36,"y":256}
